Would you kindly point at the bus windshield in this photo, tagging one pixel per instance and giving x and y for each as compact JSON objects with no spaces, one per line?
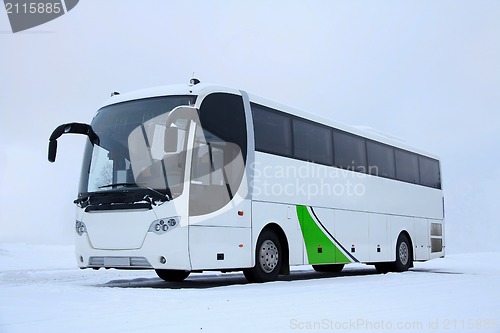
{"x":136,"y":150}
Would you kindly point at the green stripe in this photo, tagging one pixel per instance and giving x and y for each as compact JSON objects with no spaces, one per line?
{"x":320,"y":249}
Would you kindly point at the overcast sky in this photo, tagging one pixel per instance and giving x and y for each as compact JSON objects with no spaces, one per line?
{"x":424,"y":71}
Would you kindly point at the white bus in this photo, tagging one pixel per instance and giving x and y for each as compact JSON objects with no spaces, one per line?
{"x":196,"y":177}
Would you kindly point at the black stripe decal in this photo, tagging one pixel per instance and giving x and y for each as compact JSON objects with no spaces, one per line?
{"x":335,"y":240}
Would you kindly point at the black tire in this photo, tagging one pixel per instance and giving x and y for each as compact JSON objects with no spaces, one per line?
{"x":404,"y":254}
{"x":268,"y":259}
{"x":171,"y":275}
{"x":331,"y":268}
{"x":404,"y":257}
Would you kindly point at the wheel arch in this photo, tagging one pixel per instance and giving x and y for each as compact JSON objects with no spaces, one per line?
{"x":394,"y":242}
{"x":285,"y":266}
{"x":407,"y":234}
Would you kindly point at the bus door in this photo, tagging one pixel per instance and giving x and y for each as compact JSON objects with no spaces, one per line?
{"x":219,"y":210}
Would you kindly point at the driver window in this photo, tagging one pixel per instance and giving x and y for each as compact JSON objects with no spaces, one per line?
{"x":219,"y":153}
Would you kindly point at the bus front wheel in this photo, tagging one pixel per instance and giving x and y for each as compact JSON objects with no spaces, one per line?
{"x":171,"y":275}
{"x":268,"y":259}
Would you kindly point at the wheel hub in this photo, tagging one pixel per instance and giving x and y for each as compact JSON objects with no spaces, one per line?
{"x":268,"y":256}
{"x":403,"y":253}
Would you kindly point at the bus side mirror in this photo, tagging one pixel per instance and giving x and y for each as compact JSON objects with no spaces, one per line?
{"x":171,"y":139}
{"x":52,"y":150}
{"x":76,"y":128}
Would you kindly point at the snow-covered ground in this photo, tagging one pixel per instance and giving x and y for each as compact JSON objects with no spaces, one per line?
{"x":41,"y":290}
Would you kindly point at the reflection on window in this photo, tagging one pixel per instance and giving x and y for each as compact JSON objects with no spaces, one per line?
{"x":406,"y":166}
{"x":273,"y":131}
{"x":350,"y":152}
{"x":380,"y":160}
{"x":207,"y":166}
{"x":219,"y":153}
{"x":216,"y":174}
{"x":101,"y":169}
{"x":153,"y":165}
{"x":312,"y":142}
{"x":429,"y":172}
{"x":132,"y":147}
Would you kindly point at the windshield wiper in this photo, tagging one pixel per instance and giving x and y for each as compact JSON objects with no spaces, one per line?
{"x":120,"y":184}
{"x":162,"y":196}
{"x":167,"y":195}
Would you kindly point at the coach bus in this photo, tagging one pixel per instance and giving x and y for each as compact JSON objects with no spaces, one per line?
{"x":196,"y":177}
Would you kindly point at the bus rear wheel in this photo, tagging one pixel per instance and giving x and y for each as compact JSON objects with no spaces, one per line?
{"x":404,"y":254}
{"x":330,"y":268}
{"x":172,"y":275}
{"x":404,"y":257}
{"x":268,"y":259}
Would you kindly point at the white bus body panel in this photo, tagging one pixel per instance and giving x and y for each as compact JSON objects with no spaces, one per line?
{"x":380,"y":249}
{"x":118,"y":230}
{"x":285,"y":216}
{"x":109,"y":235}
{"x":285,"y":180}
{"x":351,"y":230}
{"x":215,"y":238}
{"x":220,"y":247}
{"x":363,"y":212}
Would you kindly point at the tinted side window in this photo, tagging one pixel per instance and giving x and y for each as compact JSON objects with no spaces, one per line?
{"x":218,"y":154}
{"x":429,"y":172}
{"x":380,"y":160}
{"x":350,"y":151}
{"x":407,"y":166}
{"x":224,"y":116}
{"x":273,"y":131}
{"x":312,"y":142}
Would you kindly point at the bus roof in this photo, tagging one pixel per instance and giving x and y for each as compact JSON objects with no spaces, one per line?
{"x":203,"y":89}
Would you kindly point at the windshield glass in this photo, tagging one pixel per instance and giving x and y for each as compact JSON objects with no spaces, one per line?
{"x":136,"y":149}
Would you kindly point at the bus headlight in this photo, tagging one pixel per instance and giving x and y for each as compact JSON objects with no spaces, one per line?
{"x":172,"y":222}
{"x":161,"y":226}
{"x":80,"y":228}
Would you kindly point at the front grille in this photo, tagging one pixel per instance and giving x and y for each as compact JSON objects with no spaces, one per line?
{"x":96,"y":261}
{"x":119,"y":262}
